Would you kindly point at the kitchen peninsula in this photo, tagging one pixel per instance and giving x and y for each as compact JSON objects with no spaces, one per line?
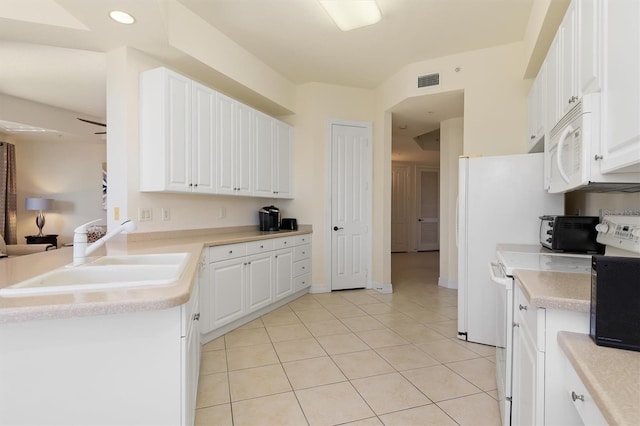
{"x":126,"y":356}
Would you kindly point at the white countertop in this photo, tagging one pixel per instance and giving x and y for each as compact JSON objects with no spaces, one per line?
{"x":65,"y":305}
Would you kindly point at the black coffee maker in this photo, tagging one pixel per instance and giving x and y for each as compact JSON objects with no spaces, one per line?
{"x":269,"y":218}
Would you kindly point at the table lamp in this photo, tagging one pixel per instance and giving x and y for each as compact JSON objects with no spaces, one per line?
{"x":39,"y":204}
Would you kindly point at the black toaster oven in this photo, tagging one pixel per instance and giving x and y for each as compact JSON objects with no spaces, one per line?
{"x":576,"y":234}
{"x":615,"y":302}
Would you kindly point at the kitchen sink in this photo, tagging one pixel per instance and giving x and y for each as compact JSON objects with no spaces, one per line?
{"x":106,"y":273}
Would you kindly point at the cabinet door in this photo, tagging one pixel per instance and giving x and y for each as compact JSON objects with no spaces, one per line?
{"x":203,"y":139}
{"x":590,"y":40}
{"x":258,"y":281}
{"x":227,"y":295}
{"x":283,"y":279}
{"x":264,"y":156}
{"x":244,"y":150}
{"x":621,"y":87}
{"x":178,"y":131}
{"x":283,"y":185}
{"x":524,"y":388}
{"x":191,"y":359}
{"x":226,"y":110}
{"x":553,"y":83}
{"x":568,"y":59}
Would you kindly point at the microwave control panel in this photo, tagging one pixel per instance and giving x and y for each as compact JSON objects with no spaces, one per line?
{"x":622,"y":232}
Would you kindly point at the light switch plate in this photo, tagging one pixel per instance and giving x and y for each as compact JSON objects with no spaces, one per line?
{"x":144,"y":214}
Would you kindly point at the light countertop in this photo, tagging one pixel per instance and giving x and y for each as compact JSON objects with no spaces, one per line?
{"x":612,"y":376}
{"x":65,"y":305}
{"x":556,"y":290}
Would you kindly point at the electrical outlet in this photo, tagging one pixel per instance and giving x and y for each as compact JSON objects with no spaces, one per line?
{"x":144,"y":214}
{"x":166,"y":214}
{"x":222,"y":213}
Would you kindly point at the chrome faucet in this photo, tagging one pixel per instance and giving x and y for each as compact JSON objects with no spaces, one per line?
{"x":80,"y":248}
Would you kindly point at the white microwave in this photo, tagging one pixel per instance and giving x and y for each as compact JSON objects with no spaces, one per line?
{"x":571,"y":152}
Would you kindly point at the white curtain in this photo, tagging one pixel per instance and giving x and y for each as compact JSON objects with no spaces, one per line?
{"x":8,"y":197}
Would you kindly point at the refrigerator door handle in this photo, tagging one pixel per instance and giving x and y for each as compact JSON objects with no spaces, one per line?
{"x":457,"y":219}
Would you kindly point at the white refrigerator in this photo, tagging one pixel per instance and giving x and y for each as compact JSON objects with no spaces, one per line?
{"x":500,"y":200}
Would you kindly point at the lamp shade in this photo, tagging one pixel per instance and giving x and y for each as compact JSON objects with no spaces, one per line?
{"x":41,"y":204}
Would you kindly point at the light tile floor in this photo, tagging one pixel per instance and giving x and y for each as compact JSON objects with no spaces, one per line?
{"x":353,"y":357}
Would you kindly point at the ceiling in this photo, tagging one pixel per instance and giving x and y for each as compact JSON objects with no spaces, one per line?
{"x":53,"y":50}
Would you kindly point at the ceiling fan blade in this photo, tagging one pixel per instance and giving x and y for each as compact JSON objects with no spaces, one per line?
{"x":92,"y":122}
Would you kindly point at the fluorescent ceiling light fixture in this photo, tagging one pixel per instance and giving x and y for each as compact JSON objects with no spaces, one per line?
{"x":122,"y":17}
{"x":11,"y":127}
{"x":352,"y":14}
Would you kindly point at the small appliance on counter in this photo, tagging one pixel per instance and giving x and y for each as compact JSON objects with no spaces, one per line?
{"x":576,"y":234}
{"x":269,"y":218}
{"x":615,"y":284}
{"x":289,"y":224}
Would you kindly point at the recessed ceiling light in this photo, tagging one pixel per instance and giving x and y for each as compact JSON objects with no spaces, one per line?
{"x":349,"y":15}
{"x":122,"y":17}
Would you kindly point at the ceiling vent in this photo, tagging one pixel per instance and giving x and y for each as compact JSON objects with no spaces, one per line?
{"x":429,"y":80}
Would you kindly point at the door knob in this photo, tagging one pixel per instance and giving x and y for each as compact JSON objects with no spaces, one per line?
{"x":335,"y":228}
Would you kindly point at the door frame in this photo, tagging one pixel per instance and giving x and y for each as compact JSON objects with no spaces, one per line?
{"x":368,"y":162}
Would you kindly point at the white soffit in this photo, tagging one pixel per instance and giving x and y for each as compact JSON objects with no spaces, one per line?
{"x":46,"y":12}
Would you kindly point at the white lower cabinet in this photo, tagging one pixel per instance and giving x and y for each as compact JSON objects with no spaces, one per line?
{"x":247,"y":277}
{"x":258,"y":281}
{"x":226,"y":297}
{"x":120,"y":369}
{"x":579,"y":399}
{"x":538,"y":395}
{"x":283,"y":273}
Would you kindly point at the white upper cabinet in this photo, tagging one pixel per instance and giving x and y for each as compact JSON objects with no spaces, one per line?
{"x":536,"y":111}
{"x":263,"y":169}
{"x":620,"y":146}
{"x":165,"y":131}
{"x":203,"y":139}
{"x":273,"y":158}
{"x":574,"y":62}
{"x":194,"y":139}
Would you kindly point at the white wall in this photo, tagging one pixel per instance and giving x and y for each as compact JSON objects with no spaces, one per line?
{"x":316,"y":104}
{"x":451,"y":137}
{"x":591,"y":204}
{"x":70,"y":173}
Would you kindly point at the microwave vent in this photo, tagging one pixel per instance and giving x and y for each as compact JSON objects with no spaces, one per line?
{"x":429,"y":80}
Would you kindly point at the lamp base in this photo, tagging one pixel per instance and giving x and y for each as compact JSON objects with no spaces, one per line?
{"x":40,"y":223}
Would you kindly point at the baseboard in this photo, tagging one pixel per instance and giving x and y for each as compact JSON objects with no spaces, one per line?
{"x":384,"y":288}
{"x":320,"y":288}
{"x":447,"y":283}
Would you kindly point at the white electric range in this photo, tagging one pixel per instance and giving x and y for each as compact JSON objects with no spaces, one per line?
{"x":510,"y":258}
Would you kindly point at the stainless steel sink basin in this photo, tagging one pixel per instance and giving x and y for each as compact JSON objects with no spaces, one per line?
{"x":109,"y":272}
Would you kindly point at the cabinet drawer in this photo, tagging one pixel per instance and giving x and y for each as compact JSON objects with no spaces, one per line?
{"x":255,"y":247}
{"x":301,"y":252}
{"x":579,"y":397}
{"x":227,"y":251}
{"x":302,"y":239}
{"x":280,"y":243}
{"x":303,"y":281}
{"x":301,"y":267}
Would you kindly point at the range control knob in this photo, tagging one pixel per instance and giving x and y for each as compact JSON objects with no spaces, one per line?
{"x":635,"y":232}
{"x":602,"y":227}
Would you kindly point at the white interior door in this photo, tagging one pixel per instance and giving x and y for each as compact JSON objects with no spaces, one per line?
{"x":350,"y":176}
{"x":428,"y":196}
{"x":400,"y":208}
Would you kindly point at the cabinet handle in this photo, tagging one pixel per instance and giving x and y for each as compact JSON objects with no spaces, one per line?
{"x":575,"y":396}
{"x":230,"y":251}
{"x":248,"y":263}
{"x":522,"y":308}
{"x":261,"y":246}
{"x":190,"y":184}
{"x":515,"y":324}
{"x":285,"y":243}
{"x":195,"y":184}
{"x":196,"y":317}
{"x":533,"y":137}
{"x":598,"y":157}
{"x":303,"y":267}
